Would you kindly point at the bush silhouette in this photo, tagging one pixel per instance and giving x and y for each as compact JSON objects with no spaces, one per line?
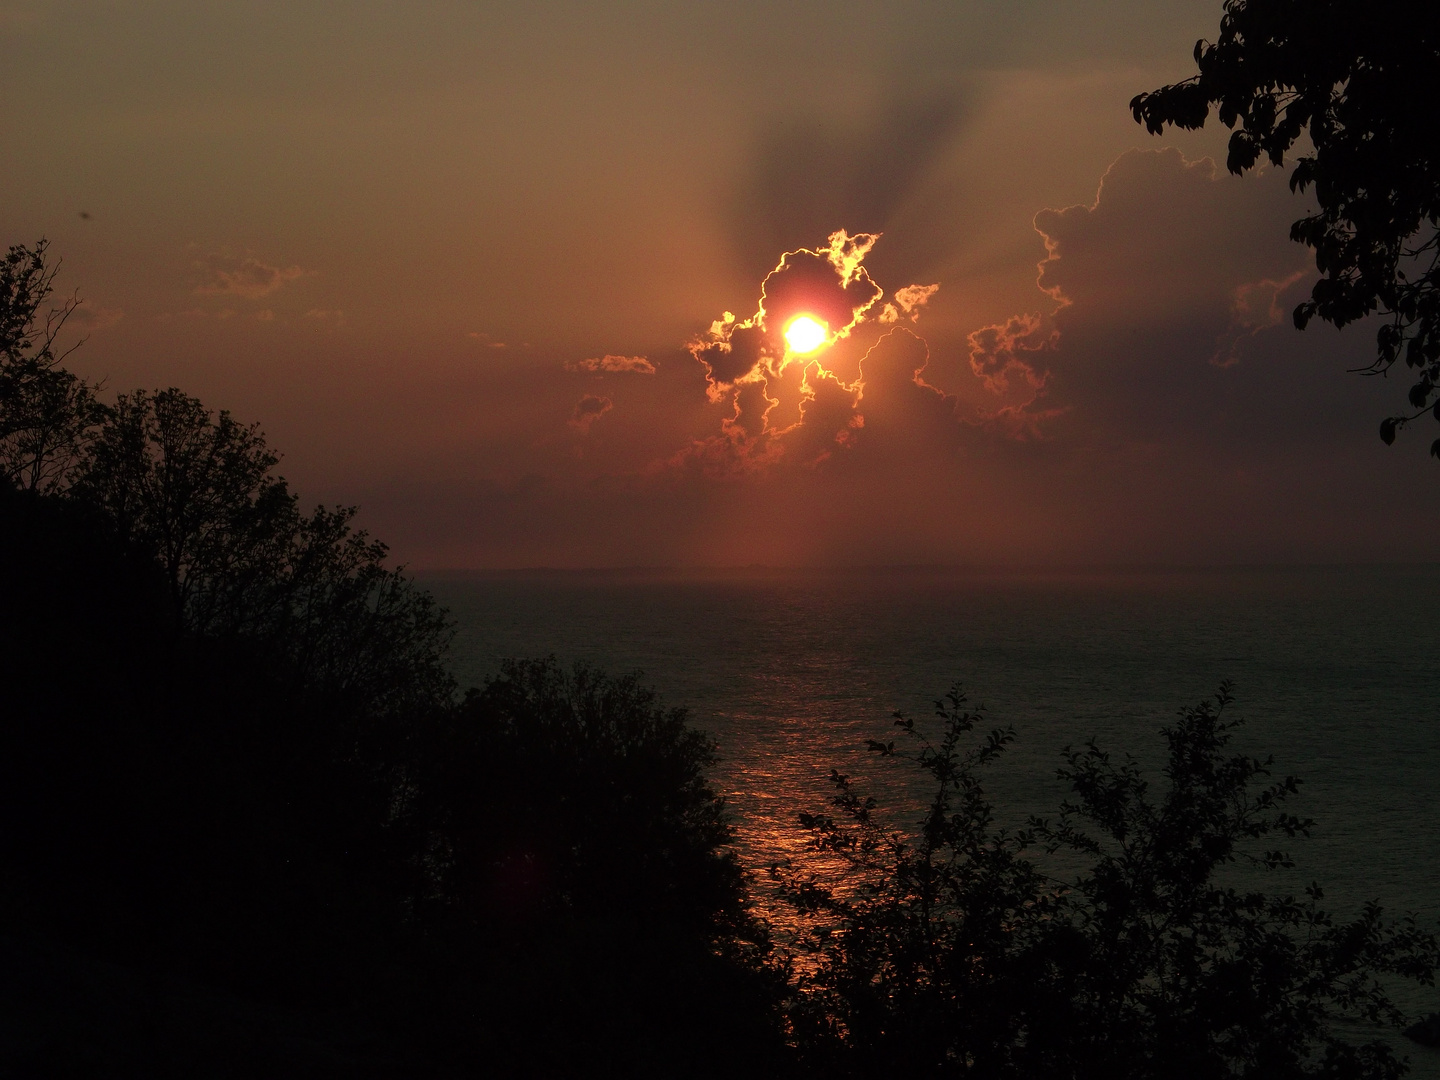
{"x":956,"y":955}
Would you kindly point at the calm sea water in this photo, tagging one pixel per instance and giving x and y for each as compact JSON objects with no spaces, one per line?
{"x":1336,"y":670}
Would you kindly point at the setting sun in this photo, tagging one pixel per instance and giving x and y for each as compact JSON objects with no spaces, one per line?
{"x":805,"y":334}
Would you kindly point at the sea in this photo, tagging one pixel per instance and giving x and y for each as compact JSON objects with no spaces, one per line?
{"x":1335,"y":670}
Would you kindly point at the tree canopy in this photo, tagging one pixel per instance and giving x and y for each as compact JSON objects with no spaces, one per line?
{"x":46,"y":412}
{"x":1360,"y":80}
{"x":250,"y":824}
{"x":1126,"y":937}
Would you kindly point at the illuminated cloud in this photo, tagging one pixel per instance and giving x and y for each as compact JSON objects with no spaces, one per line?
{"x":907,"y":303}
{"x":589,"y":409}
{"x":611,"y":363}
{"x":827,"y":283}
{"x":752,"y":408}
{"x":747,"y":363}
{"x":730,"y":351}
{"x":248,"y":277}
{"x":485,"y":340}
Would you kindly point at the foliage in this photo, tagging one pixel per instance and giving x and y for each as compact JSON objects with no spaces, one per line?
{"x":46,"y":412}
{"x":578,"y":849}
{"x":234,"y":771}
{"x":198,"y":493}
{"x":925,"y":967}
{"x":609,"y":789}
{"x":1359,"y":79}
{"x":1187,"y":972}
{"x":956,"y":956}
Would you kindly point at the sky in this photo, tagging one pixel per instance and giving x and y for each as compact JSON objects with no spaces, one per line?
{"x":515,"y":279}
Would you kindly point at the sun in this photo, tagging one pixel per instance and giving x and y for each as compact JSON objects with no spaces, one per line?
{"x":805,"y":334}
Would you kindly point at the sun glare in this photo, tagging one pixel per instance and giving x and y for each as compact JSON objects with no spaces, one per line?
{"x":805,"y":334}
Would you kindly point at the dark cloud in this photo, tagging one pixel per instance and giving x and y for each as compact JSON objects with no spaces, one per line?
{"x":589,"y":409}
{"x":1170,"y":320}
{"x":731,"y":351}
{"x":829,"y":284}
{"x":828,"y":422}
{"x":1010,"y":353}
{"x":752,"y":404}
{"x":1166,"y":237}
{"x":1255,"y":306}
{"x":900,"y":408}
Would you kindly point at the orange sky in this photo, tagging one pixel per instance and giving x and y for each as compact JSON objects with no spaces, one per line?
{"x":463,"y":262}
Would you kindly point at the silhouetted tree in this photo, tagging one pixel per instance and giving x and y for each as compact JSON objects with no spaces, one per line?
{"x":233,"y":769}
{"x":580,"y":850}
{"x":46,"y":412}
{"x":198,"y":492}
{"x":1359,"y":79}
{"x":922,"y":964}
{"x":956,"y":956}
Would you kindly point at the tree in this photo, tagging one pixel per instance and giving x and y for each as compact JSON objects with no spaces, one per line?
{"x":1359,"y":79}
{"x":928,"y":958}
{"x":584,"y":873}
{"x":1137,"y":954}
{"x":1183,"y":970}
{"x":197,"y":492}
{"x":46,"y":412}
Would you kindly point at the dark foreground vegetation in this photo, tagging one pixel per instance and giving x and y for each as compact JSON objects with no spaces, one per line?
{"x":251,"y":828}
{"x":1346,"y":89}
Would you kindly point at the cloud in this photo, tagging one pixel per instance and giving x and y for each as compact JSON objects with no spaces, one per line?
{"x":1160,"y":285}
{"x":886,"y":405}
{"x":901,"y":409}
{"x":196,"y":313}
{"x":907,"y":303}
{"x":1255,"y":307}
{"x":730,"y":351}
{"x":829,"y":283}
{"x":223,"y":274}
{"x":589,"y":409}
{"x":996,"y":352}
{"x":332,"y":318}
{"x":485,"y":340}
{"x":1164,"y":237}
{"x":89,"y":318}
{"x":611,"y":363}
